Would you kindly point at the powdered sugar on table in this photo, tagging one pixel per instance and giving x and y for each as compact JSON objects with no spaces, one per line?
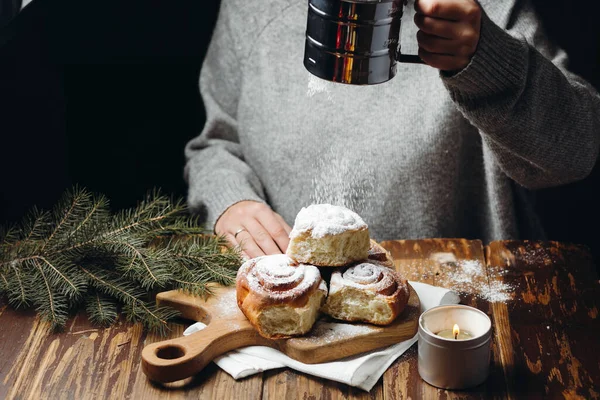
{"x":228,"y":304}
{"x":334,"y":332}
{"x":469,"y":276}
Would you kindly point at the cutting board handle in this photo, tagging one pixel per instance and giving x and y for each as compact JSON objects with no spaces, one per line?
{"x":179,"y":358}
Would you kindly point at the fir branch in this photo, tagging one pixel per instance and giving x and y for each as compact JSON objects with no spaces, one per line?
{"x":206,"y":271}
{"x":64,"y":277}
{"x":3,"y":283}
{"x":154,"y":202}
{"x":17,"y":261}
{"x":113,"y":285}
{"x":196,"y":288}
{"x":156,"y":324}
{"x":144,"y":225}
{"x":145,"y":266}
{"x":98,"y":211}
{"x":16,"y":288}
{"x":82,"y":255}
{"x":197,"y":260}
{"x":9,"y":234}
{"x":190,"y":282}
{"x":73,"y":285}
{"x":101,"y":310}
{"x":36,"y":225}
{"x":147,"y":216}
{"x":137,"y":224}
{"x":50,"y":305}
{"x":67,"y":212}
{"x":180,"y":225}
{"x":210,"y":259}
{"x":48,"y":290}
{"x":109,"y":283}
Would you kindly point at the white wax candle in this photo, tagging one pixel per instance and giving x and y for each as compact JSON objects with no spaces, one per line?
{"x":454,"y":364}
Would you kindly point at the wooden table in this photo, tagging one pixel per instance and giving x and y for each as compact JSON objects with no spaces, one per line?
{"x":543,"y":299}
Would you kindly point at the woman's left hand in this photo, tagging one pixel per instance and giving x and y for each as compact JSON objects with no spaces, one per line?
{"x":448,"y":32}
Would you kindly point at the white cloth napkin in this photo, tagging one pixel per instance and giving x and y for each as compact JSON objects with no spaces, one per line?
{"x":362,"y":371}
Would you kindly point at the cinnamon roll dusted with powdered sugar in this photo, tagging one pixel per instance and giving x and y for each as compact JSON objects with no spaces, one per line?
{"x":328,"y":236}
{"x":368,"y":292}
{"x":280,"y":297}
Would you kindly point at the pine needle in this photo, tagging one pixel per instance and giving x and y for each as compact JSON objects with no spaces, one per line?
{"x":101,"y":310}
{"x":4,"y":285}
{"x":15,"y":288}
{"x":50,"y":305}
{"x":8,"y":234}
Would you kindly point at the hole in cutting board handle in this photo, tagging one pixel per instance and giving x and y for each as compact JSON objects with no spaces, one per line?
{"x":170,"y":352}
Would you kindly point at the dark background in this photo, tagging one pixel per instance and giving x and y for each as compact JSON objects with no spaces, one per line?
{"x":104,"y":94}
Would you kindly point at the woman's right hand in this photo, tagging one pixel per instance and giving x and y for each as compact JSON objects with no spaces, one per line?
{"x":255,"y":227}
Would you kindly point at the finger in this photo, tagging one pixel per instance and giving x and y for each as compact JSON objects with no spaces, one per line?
{"x":248,"y":245}
{"x":285,"y":225}
{"x":274,"y":227}
{"x":438,"y":27}
{"x":229,"y":237}
{"x":287,"y":228}
{"x":450,"y":10}
{"x":233,"y":243}
{"x":262,"y":237}
{"x":443,"y":62}
{"x":437,"y":45}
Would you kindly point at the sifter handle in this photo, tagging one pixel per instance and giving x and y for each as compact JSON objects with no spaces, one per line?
{"x":407,"y":58}
{"x":410,"y":58}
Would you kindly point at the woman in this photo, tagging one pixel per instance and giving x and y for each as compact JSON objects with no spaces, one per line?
{"x":452,"y":149}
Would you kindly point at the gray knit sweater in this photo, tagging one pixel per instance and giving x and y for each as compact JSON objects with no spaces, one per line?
{"x":423,"y":155}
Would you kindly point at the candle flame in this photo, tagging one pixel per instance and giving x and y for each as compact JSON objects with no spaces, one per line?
{"x":455,"y":331}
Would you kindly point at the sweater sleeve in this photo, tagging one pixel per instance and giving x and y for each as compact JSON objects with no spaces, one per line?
{"x":215,"y":170}
{"x":541,"y":121}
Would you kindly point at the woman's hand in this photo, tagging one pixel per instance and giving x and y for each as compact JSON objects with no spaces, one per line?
{"x":255,"y":227}
{"x":448,"y":32}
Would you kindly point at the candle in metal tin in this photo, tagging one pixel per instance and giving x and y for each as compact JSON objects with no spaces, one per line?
{"x":449,"y":362}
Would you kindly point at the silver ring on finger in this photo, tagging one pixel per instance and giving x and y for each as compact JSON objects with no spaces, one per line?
{"x":238,"y":232}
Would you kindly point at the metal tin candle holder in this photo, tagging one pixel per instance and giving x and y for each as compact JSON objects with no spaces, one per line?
{"x":450,"y":363}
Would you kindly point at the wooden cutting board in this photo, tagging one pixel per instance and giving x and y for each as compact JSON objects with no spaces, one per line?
{"x":228,"y":329}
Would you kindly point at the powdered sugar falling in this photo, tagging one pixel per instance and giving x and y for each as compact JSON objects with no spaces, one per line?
{"x":345,"y":179}
{"x":317,"y":86}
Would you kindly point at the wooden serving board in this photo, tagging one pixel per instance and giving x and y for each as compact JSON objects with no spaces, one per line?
{"x":228,"y":329}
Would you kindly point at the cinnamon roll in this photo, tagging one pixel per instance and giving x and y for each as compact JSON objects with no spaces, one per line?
{"x":280,"y":297}
{"x":367,"y":292}
{"x":328,"y":236}
{"x":380,"y":255}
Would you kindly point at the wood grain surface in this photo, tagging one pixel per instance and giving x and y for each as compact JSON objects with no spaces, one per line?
{"x":546,"y":336}
{"x":551,"y":331}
